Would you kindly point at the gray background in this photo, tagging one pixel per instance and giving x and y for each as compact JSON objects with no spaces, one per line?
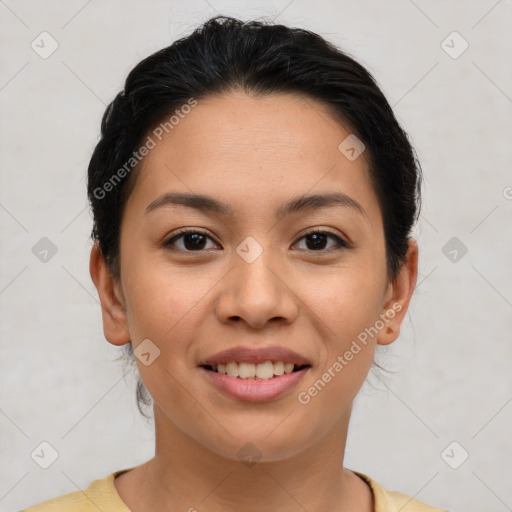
{"x":60,"y":380}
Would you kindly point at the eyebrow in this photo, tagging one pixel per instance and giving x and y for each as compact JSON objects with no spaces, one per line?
{"x":301,"y":203}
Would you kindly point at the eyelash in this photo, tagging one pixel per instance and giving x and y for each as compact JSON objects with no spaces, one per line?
{"x":342,"y":243}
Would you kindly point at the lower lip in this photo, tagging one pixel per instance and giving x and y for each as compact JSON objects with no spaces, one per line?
{"x":252,"y":390}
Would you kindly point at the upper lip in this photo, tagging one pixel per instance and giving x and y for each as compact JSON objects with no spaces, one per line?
{"x":248,"y":354}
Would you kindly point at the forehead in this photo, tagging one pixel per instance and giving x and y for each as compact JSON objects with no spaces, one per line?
{"x":251,"y":150}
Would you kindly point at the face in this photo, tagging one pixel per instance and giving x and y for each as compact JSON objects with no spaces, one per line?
{"x":254,"y":273}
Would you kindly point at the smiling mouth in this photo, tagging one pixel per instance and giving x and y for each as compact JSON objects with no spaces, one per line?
{"x":251,"y":371}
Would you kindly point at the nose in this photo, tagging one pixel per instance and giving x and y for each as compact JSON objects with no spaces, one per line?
{"x":257,"y":292}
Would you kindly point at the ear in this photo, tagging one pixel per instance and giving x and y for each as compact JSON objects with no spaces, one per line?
{"x":115,"y":325}
{"x":398,"y":296}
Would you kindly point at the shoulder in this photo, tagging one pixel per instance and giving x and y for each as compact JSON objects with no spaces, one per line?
{"x":100,"y":495}
{"x":393,"y":501}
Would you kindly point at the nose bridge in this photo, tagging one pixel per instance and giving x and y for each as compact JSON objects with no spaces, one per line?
{"x":256,"y":270}
{"x":256,"y":290}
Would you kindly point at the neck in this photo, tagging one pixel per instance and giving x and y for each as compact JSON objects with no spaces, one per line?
{"x":189,"y":476}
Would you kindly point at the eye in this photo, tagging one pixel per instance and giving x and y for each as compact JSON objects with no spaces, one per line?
{"x":317,"y":240}
{"x":193,"y":240}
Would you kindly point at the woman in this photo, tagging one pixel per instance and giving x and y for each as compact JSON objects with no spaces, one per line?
{"x":253,"y":199}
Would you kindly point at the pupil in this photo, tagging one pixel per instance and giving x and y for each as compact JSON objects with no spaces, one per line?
{"x":198,"y":241}
{"x":318,"y":240}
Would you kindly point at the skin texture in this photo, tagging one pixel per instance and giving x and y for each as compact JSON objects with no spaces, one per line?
{"x":253,"y":153}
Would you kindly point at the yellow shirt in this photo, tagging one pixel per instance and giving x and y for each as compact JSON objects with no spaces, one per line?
{"x":102,"y":495}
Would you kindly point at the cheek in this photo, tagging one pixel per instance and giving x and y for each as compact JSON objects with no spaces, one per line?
{"x":348,"y":299}
{"x":349,"y":342}
{"x":161,"y":298}
{"x":164,"y":306}
{"x":347,"y":307}
{"x":348,"y":303}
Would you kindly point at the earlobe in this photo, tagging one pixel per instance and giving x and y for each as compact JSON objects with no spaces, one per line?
{"x":115,"y":325}
{"x":402,"y":289}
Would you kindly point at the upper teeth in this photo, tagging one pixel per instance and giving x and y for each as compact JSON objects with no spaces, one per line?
{"x":264,"y":370}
